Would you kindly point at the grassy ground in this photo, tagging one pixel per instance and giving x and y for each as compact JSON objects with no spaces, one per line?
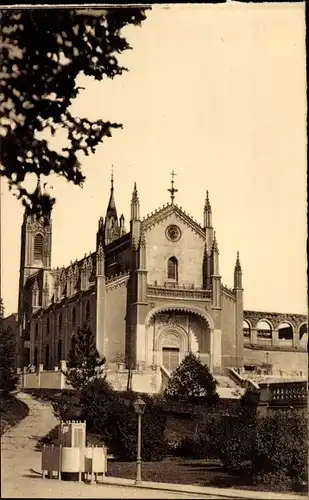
{"x":184,"y":471}
{"x":12,"y":411}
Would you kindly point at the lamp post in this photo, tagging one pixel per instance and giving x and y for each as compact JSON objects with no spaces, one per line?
{"x":139,"y":407}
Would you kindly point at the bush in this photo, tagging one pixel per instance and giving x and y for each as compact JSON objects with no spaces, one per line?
{"x":66,"y":405}
{"x":193,"y":383}
{"x":113,"y":417}
{"x":282,"y":445}
{"x":189,"y":448}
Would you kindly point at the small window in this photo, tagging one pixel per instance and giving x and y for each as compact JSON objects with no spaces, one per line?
{"x":38,"y":247}
{"x":172,"y":269}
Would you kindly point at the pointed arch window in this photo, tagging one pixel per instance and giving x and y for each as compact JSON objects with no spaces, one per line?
{"x":74,"y":318}
{"x":172,"y":269}
{"x":38,"y":248}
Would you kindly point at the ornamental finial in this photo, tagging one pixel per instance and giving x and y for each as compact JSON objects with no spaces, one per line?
{"x":172,"y":190}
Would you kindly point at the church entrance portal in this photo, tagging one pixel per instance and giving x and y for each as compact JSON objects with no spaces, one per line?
{"x":173,"y":333}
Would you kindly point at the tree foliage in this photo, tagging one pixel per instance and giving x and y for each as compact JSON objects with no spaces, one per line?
{"x":193,"y":382}
{"x":84,"y":362}
{"x":8,"y":374}
{"x":43,"y":52}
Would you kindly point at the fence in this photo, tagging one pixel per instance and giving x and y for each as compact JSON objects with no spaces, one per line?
{"x":32,"y":378}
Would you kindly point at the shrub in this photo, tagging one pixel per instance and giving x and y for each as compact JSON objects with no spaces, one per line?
{"x":8,"y":375}
{"x":189,"y":448}
{"x":113,"y":417}
{"x":192,"y":382}
{"x":282,"y":445}
{"x":66,"y":405}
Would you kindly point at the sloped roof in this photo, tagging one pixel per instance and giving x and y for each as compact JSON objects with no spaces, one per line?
{"x":162,"y":213}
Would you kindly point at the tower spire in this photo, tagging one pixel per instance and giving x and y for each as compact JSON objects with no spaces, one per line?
{"x":207,"y":212}
{"x":111,"y":226}
{"x":237,"y":274}
{"x":172,"y":189}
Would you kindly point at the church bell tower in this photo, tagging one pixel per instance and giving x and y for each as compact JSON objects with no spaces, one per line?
{"x":35,"y":253}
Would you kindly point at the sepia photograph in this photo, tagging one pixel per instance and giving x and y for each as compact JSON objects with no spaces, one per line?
{"x":154,"y":310}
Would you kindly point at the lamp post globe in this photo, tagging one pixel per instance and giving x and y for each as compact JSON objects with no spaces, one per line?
{"x":139,"y":407}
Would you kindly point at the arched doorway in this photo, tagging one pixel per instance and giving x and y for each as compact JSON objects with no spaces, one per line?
{"x":172,"y":332}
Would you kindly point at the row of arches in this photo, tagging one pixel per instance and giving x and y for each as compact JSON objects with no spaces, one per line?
{"x":285,"y":330}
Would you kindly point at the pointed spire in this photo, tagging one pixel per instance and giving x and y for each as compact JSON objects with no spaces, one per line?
{"x":207,"y":212}
{"x":111,"y":208}
{"x":135,"y":204}
{"x":237,"y":274}
{"x":135,"y":194}
{"x":207,"y":206}
{"x":38,"y":186}
{"x":215,"y":248}
{"x":237,"y":264}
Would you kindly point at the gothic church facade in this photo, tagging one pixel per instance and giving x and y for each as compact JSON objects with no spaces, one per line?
{"x":150,"y":294}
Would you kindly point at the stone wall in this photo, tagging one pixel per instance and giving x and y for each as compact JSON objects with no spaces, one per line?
{"x":228,"y":343}
{"x":115,"y":313}
{"x":188,"y":251}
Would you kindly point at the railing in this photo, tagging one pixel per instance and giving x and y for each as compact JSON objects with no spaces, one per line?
{"x":178,"y":292}
{"x":264,"y":334}
{"x":292,"y":393}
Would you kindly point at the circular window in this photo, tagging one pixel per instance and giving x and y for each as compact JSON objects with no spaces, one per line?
{"x":173,"y":233}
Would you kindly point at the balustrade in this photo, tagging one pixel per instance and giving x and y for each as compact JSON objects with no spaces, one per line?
{"x":178,"y":292}
{"x":264,"y":334}
{"x":291,"y":393}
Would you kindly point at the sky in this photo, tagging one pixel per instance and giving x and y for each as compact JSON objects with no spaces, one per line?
{"x":218,"y":94}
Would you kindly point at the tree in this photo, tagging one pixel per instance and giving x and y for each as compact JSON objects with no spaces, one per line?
{"x":192,"y":382}
{"x":8,"y":375}
{"x":84,"y":362}
{"x":43,"y":52}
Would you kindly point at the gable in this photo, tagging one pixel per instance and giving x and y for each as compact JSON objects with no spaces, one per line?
{"x":171,"y":235}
